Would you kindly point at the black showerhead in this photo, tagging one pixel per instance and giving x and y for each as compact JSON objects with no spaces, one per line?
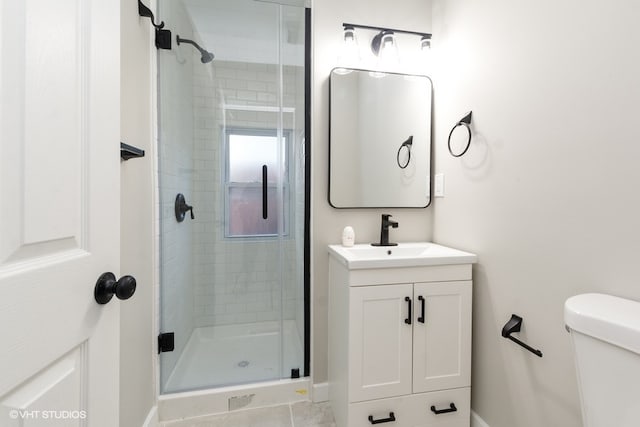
{"x":206,"y":55}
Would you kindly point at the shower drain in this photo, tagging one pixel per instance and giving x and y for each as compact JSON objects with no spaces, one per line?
{"x":243,"y":363}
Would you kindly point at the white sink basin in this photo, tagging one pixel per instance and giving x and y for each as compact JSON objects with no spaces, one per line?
{"x":404,"y":255}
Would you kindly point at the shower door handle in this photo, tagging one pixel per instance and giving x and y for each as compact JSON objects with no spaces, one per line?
{"x":264,"y":192}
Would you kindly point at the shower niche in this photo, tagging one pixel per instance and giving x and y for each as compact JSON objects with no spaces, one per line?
{"x":231,"y":139}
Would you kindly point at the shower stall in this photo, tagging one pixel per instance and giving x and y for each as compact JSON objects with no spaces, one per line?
{"x":233,"y":185}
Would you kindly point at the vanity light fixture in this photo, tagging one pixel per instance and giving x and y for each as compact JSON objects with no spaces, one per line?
{"x":385,"y":38}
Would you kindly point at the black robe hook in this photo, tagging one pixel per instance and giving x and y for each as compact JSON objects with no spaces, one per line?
{"x":146,"y":12}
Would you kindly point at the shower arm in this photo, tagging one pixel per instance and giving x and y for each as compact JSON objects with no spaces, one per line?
{"x":206,"y":55}
{"x":191,"y":42}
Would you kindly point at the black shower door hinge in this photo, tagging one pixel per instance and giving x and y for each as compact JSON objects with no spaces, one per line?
{"x":165,"y":342}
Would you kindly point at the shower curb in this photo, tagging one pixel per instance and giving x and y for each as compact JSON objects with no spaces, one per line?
{"x":180,"y":406}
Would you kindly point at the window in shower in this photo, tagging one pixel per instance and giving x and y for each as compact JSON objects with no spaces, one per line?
{"x":249,"y":202}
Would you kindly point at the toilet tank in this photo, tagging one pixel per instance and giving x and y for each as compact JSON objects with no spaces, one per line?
{"x":605,"y":332}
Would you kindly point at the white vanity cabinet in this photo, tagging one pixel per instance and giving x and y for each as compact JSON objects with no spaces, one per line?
{"x":400,"y":345}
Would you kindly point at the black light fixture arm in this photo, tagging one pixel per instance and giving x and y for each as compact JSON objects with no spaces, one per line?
{"x":368,"y":27}
{"x":513,"y":325}
{"x":143,"y":10}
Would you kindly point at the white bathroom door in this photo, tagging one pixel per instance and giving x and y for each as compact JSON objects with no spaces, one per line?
{"x":59,"y":211}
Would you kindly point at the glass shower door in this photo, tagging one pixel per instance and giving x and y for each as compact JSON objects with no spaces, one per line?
{"x":232,"y":141}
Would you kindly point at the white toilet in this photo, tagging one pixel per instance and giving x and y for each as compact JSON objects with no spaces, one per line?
{"x":605,"y":331}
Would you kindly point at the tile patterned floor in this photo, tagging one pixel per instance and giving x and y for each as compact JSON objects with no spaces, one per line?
{"x":301,"y":414}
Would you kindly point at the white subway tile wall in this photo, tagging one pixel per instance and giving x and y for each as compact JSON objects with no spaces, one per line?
{"x":237,"y":280}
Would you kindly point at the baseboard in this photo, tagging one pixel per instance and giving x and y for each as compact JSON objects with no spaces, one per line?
{"x":320,"y":392}
{"x":152,"y":418}
{"x":476,"y":421}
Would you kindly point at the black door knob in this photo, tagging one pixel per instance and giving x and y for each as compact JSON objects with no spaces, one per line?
{"x":107,"y":286}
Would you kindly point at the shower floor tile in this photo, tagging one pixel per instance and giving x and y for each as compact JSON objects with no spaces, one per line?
{"x":300,"y":414}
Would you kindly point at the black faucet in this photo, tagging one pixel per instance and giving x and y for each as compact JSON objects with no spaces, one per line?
{"x":384,"y":231}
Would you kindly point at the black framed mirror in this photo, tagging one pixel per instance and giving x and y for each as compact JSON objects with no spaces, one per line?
{"x":380,"y":139}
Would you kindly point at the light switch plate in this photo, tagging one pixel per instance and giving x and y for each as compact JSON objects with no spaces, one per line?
{"x":438,"y":185}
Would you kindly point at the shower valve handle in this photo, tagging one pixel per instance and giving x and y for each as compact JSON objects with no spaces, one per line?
{"x":181,"y":208}
{"x":189,"y":208}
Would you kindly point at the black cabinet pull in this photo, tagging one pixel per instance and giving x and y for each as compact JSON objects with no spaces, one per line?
{"x":408,"y":319}
{"x":451,"y":408}
{"x":391,"y":419}
{"x":421,"y":318}
{"x":264,"y":192}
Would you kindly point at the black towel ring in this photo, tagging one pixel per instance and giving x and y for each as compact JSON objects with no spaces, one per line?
{"x":408,"y":143}
{"x":465,"y":121}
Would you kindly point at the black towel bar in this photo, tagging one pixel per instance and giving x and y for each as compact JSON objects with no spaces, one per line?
{"x":513,"y":325}
{"x":129,"y":151}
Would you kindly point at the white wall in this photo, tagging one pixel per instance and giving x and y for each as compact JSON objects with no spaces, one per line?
{"x":546,"y":195}
{"x":415,"y":224}
{"x":137,"y":376}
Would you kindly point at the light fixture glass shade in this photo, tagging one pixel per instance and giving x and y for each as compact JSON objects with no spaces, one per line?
{"x":388,"y":54}
{"x":425,"y":43}
{"x":425,"y":51}
{"x":349,"y":34}
{"x":349,"y":52}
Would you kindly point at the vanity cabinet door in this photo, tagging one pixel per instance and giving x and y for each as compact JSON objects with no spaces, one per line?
{"x":442,"y":340}
{"x":380,"y":341}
